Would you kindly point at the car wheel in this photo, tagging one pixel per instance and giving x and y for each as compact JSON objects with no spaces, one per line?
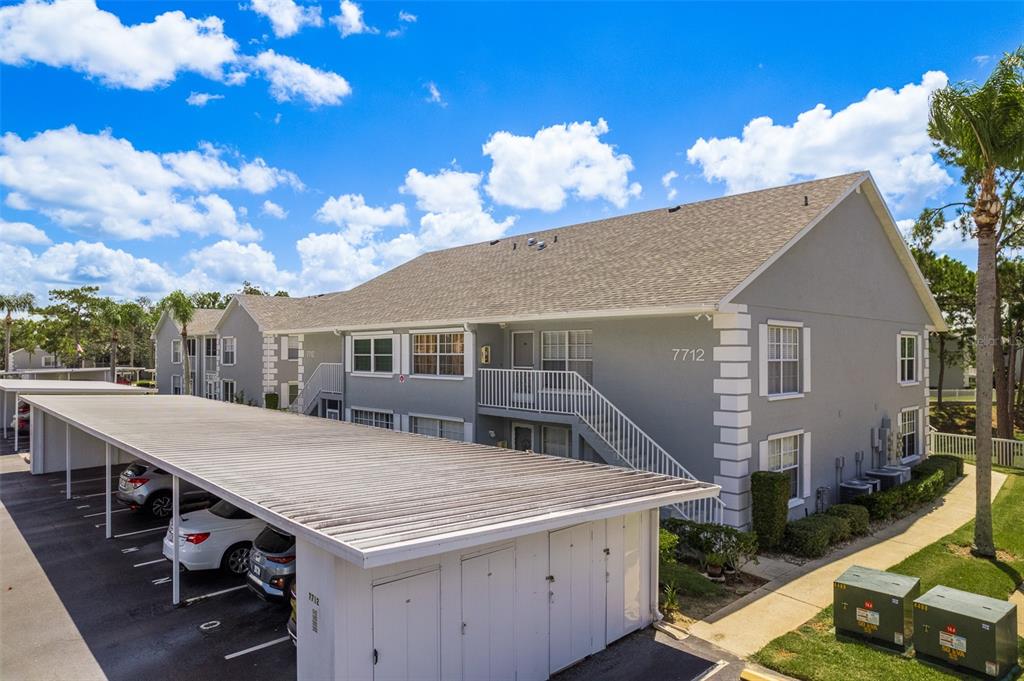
{"x":160,"y":505}
{"x":236,"y":559}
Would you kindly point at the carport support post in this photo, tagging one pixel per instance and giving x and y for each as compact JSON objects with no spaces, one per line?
{"x":106,"y":486}
{"x":67,"y":456}
{"x":5,"y":414}
{"x":16,"y":423}
{"x":175,"y":525}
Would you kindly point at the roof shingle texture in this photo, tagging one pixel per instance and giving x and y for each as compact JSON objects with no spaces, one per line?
{"x":692,"y":255}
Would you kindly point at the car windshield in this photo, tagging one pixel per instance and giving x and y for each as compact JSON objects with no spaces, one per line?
{"x":272,"y":541}
{"x":229,"y":511}
{"x":135,"y":469}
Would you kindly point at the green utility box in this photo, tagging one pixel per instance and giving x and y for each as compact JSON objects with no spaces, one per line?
{"x":966,"y":630}
{"x":875,"y":606}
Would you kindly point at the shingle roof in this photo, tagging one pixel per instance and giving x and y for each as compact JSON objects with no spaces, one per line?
{"x":203,"y":321}
{"x":279,"y":312}
{"x":692,"y":255}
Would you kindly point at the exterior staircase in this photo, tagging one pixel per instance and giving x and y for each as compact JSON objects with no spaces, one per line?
{"x":328,"y":377}
{"x":566,"y":392}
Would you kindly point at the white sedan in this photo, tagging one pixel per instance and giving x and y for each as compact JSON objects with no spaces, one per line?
{"x":215,"y":537}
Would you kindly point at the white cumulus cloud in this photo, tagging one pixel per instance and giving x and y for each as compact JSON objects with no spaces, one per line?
{"x":454,"y":210}
{"x":434,"y":95}
{"x":22,"y":233}
{"x":886,"y":133}
{"x":666,"y":182}
{"x":78,"y":35}
{"x":201,"y":98}
{"x":291,"y":79}
{"x":360,"y":220}
{"x":407,"y":17}
{"x":350,"y":21}
{"x":287,"y":17}
{"x":226,"y":264}
{"x":100,"y":182}
{"x":543,"y":170}
{"x":273,"y":210}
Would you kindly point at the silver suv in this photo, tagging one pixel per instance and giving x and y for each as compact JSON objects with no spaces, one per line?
{"x":144,"y":486}
{"x":272,"y":564}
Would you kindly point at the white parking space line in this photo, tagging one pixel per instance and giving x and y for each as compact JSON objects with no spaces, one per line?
{"x":79,"y":508}
{"x":152,"y":529}
{"x":719,"y":666}
{"x":162,"y":580}
{"x":116,"y":510}
{"x":255,"y":648}
{"x":150,"y":562}
{"x":130,"y":549}
{"x":196,"y":599}
{"x":61,"y":484}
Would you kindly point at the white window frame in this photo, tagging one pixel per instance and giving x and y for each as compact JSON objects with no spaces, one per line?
{"x":211,"y":389}
{"x":291,"y":344}
{"x":803,"y":359}
{"x":194,"y":346}
{"x":437,"y":354}
{"x":372,"y":371}
{"x":48,"y":362}
{"x":918,"y":432}
{"x":545,"y":429}
{"x":803,"y":462}
{"x":327,"y":410}
{"x":176,"y":384}
{"x":564,"y":344}
{"x":224,"y":351}
{"x":901,"y":359}
{"x":176,"y":351}
{"x":376,"y":415}
{"x":224,"y":389}
{"x":440,"y":420}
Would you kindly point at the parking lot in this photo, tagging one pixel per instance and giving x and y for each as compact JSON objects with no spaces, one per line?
{"x":118,"y":591}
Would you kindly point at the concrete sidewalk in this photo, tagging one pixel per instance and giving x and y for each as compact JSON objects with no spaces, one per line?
{"x":38,"y":640}
{"x":798,"y":593}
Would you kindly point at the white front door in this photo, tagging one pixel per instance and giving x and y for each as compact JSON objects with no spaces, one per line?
{"x":406,"y":629}
{"x":522,"y":437}
{"x":569,"y":615}
{"x":488,"y":628}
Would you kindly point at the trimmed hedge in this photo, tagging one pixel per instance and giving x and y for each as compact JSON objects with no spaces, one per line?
{"x":928,"y":481}
{"x":809,"y":537}
{"x":857,"y":515}
{"x":769,"y":493}
{"x":270,"y":400}
{"x":952,"y":466}
{"x":699,"y":540}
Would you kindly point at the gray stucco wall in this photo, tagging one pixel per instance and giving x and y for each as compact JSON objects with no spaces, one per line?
{"x":23,"y":359}
{"x":164,"y":368}
{"x":247,"y":371}
{"x":844,"y":282}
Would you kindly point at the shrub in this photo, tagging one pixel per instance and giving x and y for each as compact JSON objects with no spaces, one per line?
{"x":145,"y":383}
{"x":839,"y":527}
{"x":952,"y":466}
{"x":857,"y":515}
{"x":667,"y":543}
{"x":809,"y":537}
{"x":699,"y":540}
{"x":924,"y":486}
{"x":770,"y":498}
{"x":270,"y":400}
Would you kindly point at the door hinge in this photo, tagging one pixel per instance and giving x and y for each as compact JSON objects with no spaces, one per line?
{"x":550,"y":578}
{"x":375,"y":656}
{"x":463,"y":628}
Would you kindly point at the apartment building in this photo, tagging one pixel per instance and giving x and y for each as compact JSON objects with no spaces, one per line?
{"x":203,"y":352}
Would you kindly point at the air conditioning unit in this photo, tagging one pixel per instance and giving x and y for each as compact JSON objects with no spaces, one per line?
{"x":967,"y":631}
{"x":888,"y":477}
{"x":875,"y":606}
{"x":904,"y":472}
{"x":851,"y":489}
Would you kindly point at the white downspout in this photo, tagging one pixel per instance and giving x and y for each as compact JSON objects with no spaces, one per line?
{"x":110,"y":492}
{"x":67,"y":458}
{"x":175,"y":527}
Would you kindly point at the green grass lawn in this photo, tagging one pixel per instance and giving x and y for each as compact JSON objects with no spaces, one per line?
{"x":812,"y":651}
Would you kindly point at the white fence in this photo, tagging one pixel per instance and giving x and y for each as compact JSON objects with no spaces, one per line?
{"x":1007,"y":453}
{"x":952,"y":393}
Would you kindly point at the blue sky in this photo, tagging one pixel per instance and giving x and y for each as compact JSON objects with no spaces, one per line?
{"x":378,"y":130}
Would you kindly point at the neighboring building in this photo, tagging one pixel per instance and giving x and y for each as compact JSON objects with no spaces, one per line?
{"x":958,"y":373}
{"x":22,"y":359}
{"x":708,"y":340}
{"x":202,"y":350}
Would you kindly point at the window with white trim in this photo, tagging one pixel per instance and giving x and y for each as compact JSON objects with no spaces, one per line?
{"x":293,"y":348}
{"x":48,"y":361}
{"x":909,"y":419}
{"x":227,"y":390}
{"x":438,"y":354}
{"x":293,"y":392}
{"x":176,"y":384}
{"x":783,"y":360}
{"x":908,"y":358}
{"x":377,"y":419}
{"x":451,"y":430}
{"x":374,"y":355}
{"x":192,"y":347}
{"x":554,"y":440}
{"x":568,"y":351}
{"x":784,"y":457}
{"x":176,"y":351}
{"x":331,"y":409}
{"x":211,"y":389}
{"x":227,"y":350}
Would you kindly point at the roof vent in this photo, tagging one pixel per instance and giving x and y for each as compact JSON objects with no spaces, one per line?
{"x":531,"y":241}
{"x":556,"y":238}
{"x":495,"y":241}
{"x":674,"y":209}
{"x":805,"y":199}
{"x":513,"y":245}
{"x":541,"y":245}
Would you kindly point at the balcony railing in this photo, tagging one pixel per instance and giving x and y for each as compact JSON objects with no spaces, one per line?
{"x":327,"y":377}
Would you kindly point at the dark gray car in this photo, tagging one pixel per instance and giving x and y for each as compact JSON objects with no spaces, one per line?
{"x":144,"y":486}
{"x":272,"y":564}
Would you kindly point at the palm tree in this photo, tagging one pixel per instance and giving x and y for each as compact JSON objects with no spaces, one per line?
{"x":981,"y":129}
{"x":11,"y":303}
{"x":180,"y":307}
{"x":109,"y":315}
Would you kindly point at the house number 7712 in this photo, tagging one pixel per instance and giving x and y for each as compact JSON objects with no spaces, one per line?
{"x":687,"y":354}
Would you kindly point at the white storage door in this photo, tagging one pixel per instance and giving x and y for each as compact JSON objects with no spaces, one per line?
{"x":624,"y":576}
{"x":488,"y":627}
{"x":406,"y":629}
{"x":569,"y":615}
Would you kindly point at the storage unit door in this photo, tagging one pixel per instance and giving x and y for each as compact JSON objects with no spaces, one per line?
{"x":624,"y":576}
{"x":488,"y":625}
{"x":406,"y":629}
{"x":569,"y":613}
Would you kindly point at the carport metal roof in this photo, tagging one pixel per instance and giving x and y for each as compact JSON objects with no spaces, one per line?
{"x":369,"y":495}
{"x":57,"y":387}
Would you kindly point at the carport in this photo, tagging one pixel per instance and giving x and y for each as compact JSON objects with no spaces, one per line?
{"x":456,"y":560}
{"x":12,"y":388}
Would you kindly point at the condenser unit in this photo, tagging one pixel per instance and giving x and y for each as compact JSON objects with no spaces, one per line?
{"x":888,"y":477}
{"x":850,"y":490}
{"x":966,"y":630}
{"x":875,"y":606}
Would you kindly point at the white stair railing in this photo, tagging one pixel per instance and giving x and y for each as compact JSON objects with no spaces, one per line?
{"x":327,"y":377}
{"x":566,"y":392}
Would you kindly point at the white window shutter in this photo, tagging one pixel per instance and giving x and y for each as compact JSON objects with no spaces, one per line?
{"x":469,"y":359}
{"x":919,"y":361}
{"x":807,"y":359}
{"x":348,"y":357}
{"x":406,"y":354}
{"x":467,"y":431}
{"x":396,"y":352}
{"x":899,"y":354}
{"x":805,"y":466}
{"x":284,"y":347}
{"x":762,"y":359}
{"x":762,"y":456}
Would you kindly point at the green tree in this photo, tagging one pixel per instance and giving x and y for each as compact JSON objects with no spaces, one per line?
{"x":1011,"y":280}
{"x":180,"y":307}
{"x":11,"y":303}
{"x":110,"y":317}
{"x":74,"y":310}
{"x":133,"y":322}
{"x":980,"y":128}
{"x":209,"y":300}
